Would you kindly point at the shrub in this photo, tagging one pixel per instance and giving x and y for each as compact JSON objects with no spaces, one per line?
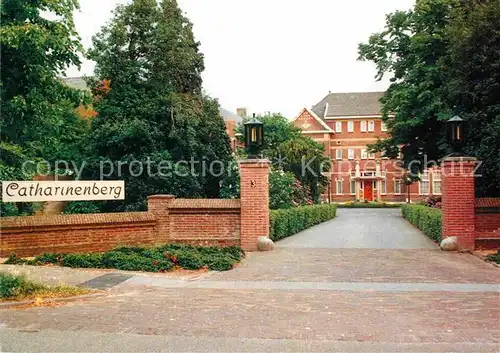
{"x":156,"y":259}
{"x":494,"y":257}
{"x":425,"y":218}
{"x":12,"y":286}
{"x":283,"y":223}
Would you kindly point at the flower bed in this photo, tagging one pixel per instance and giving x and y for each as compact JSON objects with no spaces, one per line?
{"x":158,"y":259}
{"x":425,"y":218}
{"x":284,"y":223}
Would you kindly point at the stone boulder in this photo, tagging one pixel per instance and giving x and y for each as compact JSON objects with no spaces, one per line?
{"x":265,"y":244}
{"x":449,"y":244}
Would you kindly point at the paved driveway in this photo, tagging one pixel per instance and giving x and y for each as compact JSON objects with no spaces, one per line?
{"x":362,"y":228}
{"x":364,"y":282}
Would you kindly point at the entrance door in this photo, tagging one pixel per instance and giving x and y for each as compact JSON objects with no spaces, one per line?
{"x":368,"y":187}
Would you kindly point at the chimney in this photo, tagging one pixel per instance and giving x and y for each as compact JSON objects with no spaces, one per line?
{"x":241,"y":112}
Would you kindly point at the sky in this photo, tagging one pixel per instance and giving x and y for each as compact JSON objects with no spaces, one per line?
{"x":271,"y":55}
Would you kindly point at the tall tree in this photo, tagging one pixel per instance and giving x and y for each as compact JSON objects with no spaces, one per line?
{"x":148,"y":86}
{"x":472,"y":84}
{"x":37,"y":109}
{"x":442,"y":58}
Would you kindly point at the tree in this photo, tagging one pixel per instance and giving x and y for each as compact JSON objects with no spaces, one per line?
{"x":37,"y":109}
{"x":472,"y":84}
{"x":292,"y":151}
{"x":150,"y":104}
{"x":442,"y":57}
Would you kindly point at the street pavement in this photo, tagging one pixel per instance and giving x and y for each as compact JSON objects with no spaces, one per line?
{"x":364,"y":282}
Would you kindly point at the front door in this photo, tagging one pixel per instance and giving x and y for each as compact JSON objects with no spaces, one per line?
{"x":368,"y":187}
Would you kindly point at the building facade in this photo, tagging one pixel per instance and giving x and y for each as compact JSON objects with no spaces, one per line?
{"x":345,"y":123}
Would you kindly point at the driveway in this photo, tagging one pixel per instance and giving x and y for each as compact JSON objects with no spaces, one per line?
{"x":364,"y":282}
{"x":363,"y":228}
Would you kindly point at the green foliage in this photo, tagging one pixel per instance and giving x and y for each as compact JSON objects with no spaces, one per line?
{"x":368,"y":205}
{"x":442,"y":59}
{"x":151,"y":108}
{"x":286,"y":222}
{"x":494,"y":257}
{"x":12,"y":286}
{"x":292,"y":151}
{"x":82,"y":207}
{"x":157,"y":259}
{"x":285,"y":191}
{"x":427,"y":219}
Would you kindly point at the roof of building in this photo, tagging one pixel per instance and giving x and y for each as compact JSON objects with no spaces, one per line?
{"x":228,"y":115}
{"x":75,"y":82}
{"x":349,"y":104}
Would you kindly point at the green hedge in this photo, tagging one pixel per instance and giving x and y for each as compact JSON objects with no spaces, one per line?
{"x":157,"y":259}
{"x":427,"y":219}
{"x":368,"y":205}
{"x":284,"y":223}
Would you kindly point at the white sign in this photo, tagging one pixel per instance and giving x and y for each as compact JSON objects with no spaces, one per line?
{"x":74,"y":190}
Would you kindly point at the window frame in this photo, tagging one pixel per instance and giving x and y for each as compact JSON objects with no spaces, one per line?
{"x":363,"y":126}
{"x":350,"y":153}
{"x":424,"y":178}
{"x":436,"y":178}
{"x":353,"y":190}
{"x":350,"y":126}
{"x":337,"y":183}
{"x":383,"y":127}
{"x":383,"y":186}
{"x":337,"y":124}
{"x":364,"y":153}
{"x":337,"y":154}
{"x":396,"y":183}
{"x":371,"y":126}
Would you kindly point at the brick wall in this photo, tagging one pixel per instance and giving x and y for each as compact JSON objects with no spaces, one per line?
{"x":34,"y":235}
{"x":205,"y":222}
{"x":197,"y":222}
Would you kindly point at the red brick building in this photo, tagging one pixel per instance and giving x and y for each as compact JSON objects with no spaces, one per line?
{"x":345,"y":123}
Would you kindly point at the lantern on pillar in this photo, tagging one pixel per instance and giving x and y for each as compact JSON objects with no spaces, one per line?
{"x":254,"y":137}
{"x":455,"y":132}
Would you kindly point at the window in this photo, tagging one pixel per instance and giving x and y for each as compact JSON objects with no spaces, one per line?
{"x":339,"y":186}
{"x":424,"y":183}
{"x":350,"y":126}
{"x":363,"y":126}
{"x":371,"y":126}
{"x":364,"y":154}
{"x":371,"y":155}
{"x":397,"y":187}
{"x":383,"y":126}
{"x":350,"y":153}
{"x":383,"y":187}
{"x":436,"y":183}
{"x":353,"y":187}
{"x":339,"y":154}
{"x":338,"y":126}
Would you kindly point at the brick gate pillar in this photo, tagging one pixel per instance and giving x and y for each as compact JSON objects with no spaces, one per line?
{"x":254,"y":193}
{"x":159,"y":205}
{"x":458,"y":200}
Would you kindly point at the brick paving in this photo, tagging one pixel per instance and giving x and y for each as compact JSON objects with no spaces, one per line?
{"x":293,"y":299}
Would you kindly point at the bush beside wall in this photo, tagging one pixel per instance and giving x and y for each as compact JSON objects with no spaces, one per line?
{"x":368,"y":205}
{"x":427,"y":219}
{"x":283,"y":223}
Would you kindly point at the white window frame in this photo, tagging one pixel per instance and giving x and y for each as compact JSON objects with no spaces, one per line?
{"x":338,"y":126}
{"x":371,"y":125}
{"x":383,"y":186}
{"x":398,"y":182}
{"x":350,"y":153}
{"x":364,"y":153}
{"x":363,"y":126}
{"x":350,"y":126}
{"x":338,"y":154}
{"x":353,"y":190}
{"x":339,"y":182}
{"x":436,"y":180}
{"x":383,"y":127}
{"x":371,"y":155}
{"x":424,"y":178}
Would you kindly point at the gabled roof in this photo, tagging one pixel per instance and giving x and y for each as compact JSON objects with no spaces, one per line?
{"x":228,"y":115}
{"x":75,"y":82}
{"x":349,"y":104}
{"x":316,"y":117}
